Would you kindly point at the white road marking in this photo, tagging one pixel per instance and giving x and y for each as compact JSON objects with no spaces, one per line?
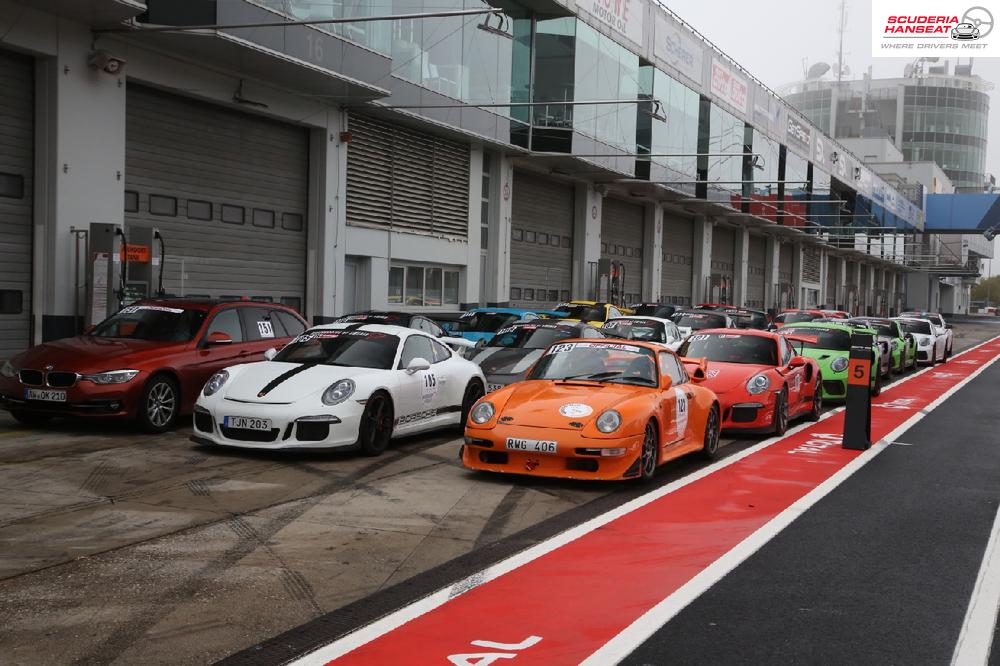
{"x":643,"y":627}
{"x":976,"y":637}
{"x":396,"y":619}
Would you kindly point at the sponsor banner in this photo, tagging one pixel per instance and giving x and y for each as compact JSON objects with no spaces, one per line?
{"x":622,"y":16}
{"x":677,"y":47}
{"x":729,"y":87}
{"x":798,"y":135}
{"x":934,"y":28}
{"x":768,"y":111}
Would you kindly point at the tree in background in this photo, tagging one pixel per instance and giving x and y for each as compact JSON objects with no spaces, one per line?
{"x":987,"y":289}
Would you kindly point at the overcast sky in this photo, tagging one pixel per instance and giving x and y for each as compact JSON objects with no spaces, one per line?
{"x":764,"y":36}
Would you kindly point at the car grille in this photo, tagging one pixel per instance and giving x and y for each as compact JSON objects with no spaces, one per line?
{"x":243,"y":435}
{"x":60,"y":379}
{"x":315,"y":431}
{"x":744,"y":414}
{"x":31,"y":377}
{"x":833,"y":387}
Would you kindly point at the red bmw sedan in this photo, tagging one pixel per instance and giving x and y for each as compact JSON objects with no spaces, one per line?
{"x":146,"y":362}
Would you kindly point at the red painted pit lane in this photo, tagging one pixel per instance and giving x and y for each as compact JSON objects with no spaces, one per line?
{"x":582,"y":594}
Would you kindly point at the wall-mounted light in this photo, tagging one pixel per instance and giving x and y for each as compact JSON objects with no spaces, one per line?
{"x":834,"y":157}
{"x":105,"y":61}
{"x":857,"y":173}
{"x":757,"y":162}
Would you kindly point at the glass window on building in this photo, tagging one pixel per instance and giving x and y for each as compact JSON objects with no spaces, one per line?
{"x":555,"y":53}
{"x":396,"y":284}
{"x":675,"y":141}
{"x":375,"y":35}
{"x":414,"y":286}
{"x":423,"y":286}
{"x":605,"y":70}
{"x":820,"y":213}
{"x":484,"y":212}
{"x":795,"y":190}
{"x":721,"y":140}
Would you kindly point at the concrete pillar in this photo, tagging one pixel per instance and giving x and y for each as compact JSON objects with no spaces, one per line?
{"x":79,"y":172}
{"x":469,"y":288}
{"x":586,"y":239}
{"x":772,"y":258}
{"x":798,"y":292}
{"x":742,"y":266}
{"x":652,"y":253}
{"x":841,"y":283}
{"x":501,"y":202}
{"x":328,"y":224}
{"x":701,"y":269}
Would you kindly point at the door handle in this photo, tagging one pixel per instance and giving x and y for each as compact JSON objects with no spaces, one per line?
{"x":245,"y":352}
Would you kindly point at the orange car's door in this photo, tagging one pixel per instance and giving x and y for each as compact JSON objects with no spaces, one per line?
{"x":674,"y":403}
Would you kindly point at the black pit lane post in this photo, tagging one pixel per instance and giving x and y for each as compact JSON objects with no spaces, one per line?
{"x":858,"y":411}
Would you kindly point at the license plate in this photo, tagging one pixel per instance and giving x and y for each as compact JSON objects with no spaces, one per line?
{"x":246,"y":423}
{"x":532,"y":445}
{"x":493,"y":387}
{"x":43,"y":394}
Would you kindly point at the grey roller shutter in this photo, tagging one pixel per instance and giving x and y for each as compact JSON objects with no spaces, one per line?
{"x":810,"y":264}
{"x":785,"y":264}
{"x":832,"y":266}
{"x":621,"y":242}
{"x":16,"y":187}
{"x":723,"y":264}
{"x":678,"y":261}
{"x":541,"y":247}
{"x":756,"y":271}
{"x":409,"y":180}
{"x":239,"y":184}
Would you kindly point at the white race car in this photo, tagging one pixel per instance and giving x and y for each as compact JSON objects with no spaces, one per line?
{"x":941,"y":327}
{"x":650,"y":329}
{"x":931,"y":346}
{"x":339,"y":386}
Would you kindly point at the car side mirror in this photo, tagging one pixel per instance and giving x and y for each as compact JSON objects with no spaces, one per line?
{"x":270,"y":354}
{"x":797,"y":362}
{"x":948,"y":326}
{"x":698,"y":375}
{"x":417,"y":364}
{"x":219,"y":338}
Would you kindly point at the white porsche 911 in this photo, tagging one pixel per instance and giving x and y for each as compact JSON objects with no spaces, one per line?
{"x":339,"y":386}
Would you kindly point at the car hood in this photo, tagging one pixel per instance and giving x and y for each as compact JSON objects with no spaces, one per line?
{"x":283,"y":383}
{"x":537,"y":402}
{"x":723,"y":377}
{"x":506,"y":360}
{"x":86,"y":353}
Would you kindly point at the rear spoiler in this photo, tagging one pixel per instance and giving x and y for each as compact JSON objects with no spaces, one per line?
{"x":692,"y":364}
{"x":807,"y":339}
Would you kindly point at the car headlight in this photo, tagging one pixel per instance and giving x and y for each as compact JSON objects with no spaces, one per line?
{"x":111,"y":377}
{"x":839,"y":364}
{"x":8,"y":370}
{"x":894,"y":344}
{"x":338,"y":392}
{"x":213,"y":385}
{"x":924,"y":342}
{"x":758,"y":384}
{"x":609,"y":421}
{"x":483,"y":412}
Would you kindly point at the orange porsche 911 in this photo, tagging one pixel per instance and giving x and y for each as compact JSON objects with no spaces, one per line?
{"x":594,"y":409}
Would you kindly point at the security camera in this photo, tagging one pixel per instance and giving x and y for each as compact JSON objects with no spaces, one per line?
{"x":105,"y":61}
{"x":601,"y":190}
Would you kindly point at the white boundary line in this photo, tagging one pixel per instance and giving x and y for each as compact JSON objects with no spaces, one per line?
{"x":643,"y":627}
{"x":387,"y":623}
{"x":976,"y":637}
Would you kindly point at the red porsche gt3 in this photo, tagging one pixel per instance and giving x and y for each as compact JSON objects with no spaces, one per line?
{"x":761,"y":382}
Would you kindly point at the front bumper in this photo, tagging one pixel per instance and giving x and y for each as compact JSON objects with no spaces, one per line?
{"x":326,"y":428}
{"x":576,"y":457}
{"x":83,"y":399}
{"x":747,"y":413}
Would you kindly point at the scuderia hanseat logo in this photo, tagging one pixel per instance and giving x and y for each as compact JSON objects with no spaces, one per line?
{"x":900,"y":27}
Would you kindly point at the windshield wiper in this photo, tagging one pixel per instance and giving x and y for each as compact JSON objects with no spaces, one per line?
{"x":595,"y":376}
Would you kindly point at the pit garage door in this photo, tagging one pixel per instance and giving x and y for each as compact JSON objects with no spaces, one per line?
{"x":541,"y":246}
{"x":16,"y":143}
{"x":723,"y":263}
{"x":678,"y":260}
{"x":756,"y":270}
{"x":226,"y":189}
{"x":621,"y":242}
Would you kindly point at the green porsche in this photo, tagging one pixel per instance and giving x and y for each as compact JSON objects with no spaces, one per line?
{"x":832,"y":349}
{"x":903,"y":347}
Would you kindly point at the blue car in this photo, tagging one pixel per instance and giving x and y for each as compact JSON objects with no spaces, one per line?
{"x":479,"y":325}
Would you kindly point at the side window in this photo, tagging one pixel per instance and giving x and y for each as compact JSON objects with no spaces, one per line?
{"x":228,"y":322}
{"x":590,"y":332}
{"x":440,"y":351}
{"x":416,"y":346}
{"x":613,"y":312}
{"x":673,"y":368}
{"x":292,"y":325}
{"x":427,"y":326}
{"x":675,"y":334}
{"x":786,"y":351}
{"x":528,"y":316}
{"x":257,"y":324}
{"x":277,"y":325}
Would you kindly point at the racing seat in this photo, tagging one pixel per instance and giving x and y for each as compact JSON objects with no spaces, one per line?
{"x":641,"y":368}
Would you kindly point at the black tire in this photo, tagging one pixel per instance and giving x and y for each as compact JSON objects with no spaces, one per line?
{"x":375,"y":430}
{"x":650,"y":453}
{"x":817,"y":402}
{"x":710,"y":448}
{"x":876,"y":390}
{"x":159,"y":405}
{"x":30,"y":418}
{"x":780,"y":420}
{"x":947,"y":354}
{"x":473,"y":392}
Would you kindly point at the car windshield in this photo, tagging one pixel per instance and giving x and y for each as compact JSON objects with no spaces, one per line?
{"x":826,"y":338}
{"x":531,"y":336}
{"x":151,"y":322}
{"x":697,"y":322}
{"x":582,"y":312}
{"x":598,"y":361}
{"x":731,"y":348}
{"x":389,"y":319}
{"x":795,"y":317}
{"x":918,"y":327}
{"x":635,"y":329}
{"x":355,"y":349}
{"x":483,"y":322}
